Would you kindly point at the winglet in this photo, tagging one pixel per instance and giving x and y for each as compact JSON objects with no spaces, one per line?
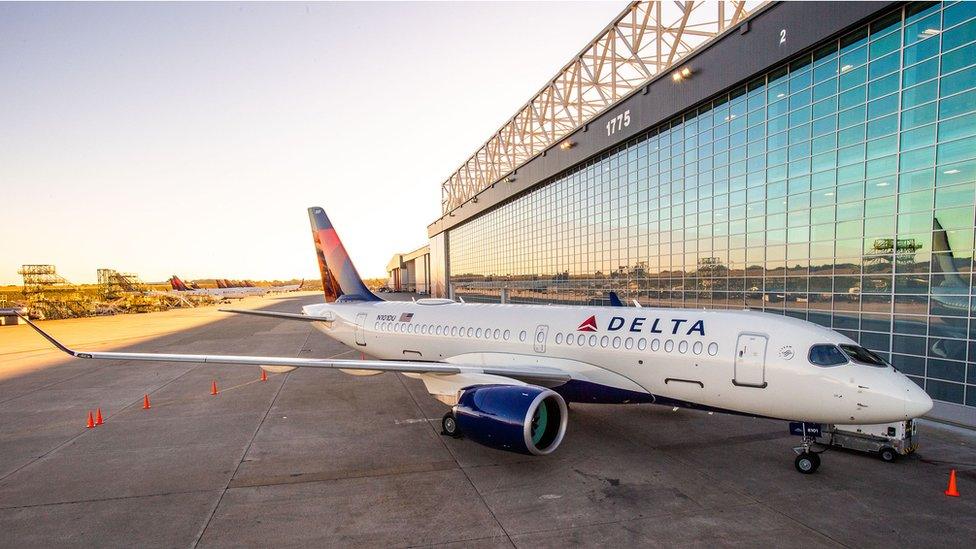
{"x":51,"y":339}
{"x":614,"y":299}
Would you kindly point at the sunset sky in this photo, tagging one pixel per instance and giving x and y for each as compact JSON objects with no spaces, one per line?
{"x":190,"y":138}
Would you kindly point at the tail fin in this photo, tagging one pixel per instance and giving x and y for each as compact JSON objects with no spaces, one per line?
{"x":177,"y":284}
{"x":943,"y":256}
{"x":340,"y":281}
{"x":220,"y":283}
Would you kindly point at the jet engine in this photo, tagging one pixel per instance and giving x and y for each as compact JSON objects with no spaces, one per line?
{"x":517,"y":418}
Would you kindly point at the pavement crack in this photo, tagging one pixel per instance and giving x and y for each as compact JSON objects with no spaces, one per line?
{"x":463,"y":471}
{"x":98,"y":500}
{"x":230,"y":479}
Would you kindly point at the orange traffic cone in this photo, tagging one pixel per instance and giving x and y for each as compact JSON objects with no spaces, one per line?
{"x":213,"y":387}
{"x":264,"y":375}
{"x":98,"y":417}
{"x":91,"y":421}
{"x":145,"y":402}
{"x":952,"y":491}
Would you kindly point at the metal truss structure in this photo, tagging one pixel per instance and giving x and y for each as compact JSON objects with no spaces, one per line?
{"x":645,"y":40}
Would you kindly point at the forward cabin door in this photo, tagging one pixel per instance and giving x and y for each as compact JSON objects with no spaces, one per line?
{"x":539,"y":343}
{"x":361,"y":329}
{"x":750,"y":361}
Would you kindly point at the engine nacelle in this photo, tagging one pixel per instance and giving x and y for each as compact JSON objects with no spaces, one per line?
{"x":517,"y":418}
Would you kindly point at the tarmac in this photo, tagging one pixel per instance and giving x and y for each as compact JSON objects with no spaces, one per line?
{"x":320,"y":458}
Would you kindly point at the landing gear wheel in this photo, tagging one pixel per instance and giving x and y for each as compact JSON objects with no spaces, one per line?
{"x":807,"y":463}
{"x":887,"y":454}
{"x":449,"y":426}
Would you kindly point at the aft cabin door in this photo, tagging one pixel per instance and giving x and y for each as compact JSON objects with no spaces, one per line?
{"x":539,"y":343}
{"x":750,"y":361}
{"x":361,"y":329}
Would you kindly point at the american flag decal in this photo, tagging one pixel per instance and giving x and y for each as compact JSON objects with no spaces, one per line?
{"x":405,"y":317}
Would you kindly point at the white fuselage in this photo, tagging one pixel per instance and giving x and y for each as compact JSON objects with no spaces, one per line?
{"x":737,"y":361}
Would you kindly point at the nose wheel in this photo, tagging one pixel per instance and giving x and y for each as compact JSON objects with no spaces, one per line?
{"x":807,"y":460}
{"x":807,"y":463}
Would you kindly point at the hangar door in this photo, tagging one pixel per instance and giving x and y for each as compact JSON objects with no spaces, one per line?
{"x":750,"y":361}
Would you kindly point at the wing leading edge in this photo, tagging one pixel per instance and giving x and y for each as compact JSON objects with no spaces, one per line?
{"x":416,"y":367}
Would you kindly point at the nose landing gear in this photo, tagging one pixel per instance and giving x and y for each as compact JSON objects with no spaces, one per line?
{"x":807,"y":460}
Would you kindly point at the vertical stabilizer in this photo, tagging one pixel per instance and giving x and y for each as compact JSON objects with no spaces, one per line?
{"x":944,"y":257}
{"x":340,"y":281}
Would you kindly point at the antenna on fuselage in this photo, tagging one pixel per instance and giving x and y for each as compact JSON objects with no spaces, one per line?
{"x":637,"y":303}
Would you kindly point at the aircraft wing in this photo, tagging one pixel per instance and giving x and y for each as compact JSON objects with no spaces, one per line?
{"x":417,"y":367}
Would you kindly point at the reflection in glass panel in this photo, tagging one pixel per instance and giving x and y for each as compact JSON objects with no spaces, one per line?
{"x":840,"y":189}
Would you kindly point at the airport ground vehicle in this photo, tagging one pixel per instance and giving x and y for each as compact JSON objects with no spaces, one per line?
{"x":888,"y":441}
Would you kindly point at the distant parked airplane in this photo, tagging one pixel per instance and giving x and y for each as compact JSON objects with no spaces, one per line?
{"x":217,"y":293}
{"x":507,"y":371}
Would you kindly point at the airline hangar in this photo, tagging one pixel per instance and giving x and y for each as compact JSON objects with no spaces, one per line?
{"x":789,"y":157}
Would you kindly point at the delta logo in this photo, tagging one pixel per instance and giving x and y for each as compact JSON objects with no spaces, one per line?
{"x":639,"y":324}
{"x":588,"y":325}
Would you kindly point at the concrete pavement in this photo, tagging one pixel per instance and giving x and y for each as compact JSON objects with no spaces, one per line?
{"x":320,"y":458}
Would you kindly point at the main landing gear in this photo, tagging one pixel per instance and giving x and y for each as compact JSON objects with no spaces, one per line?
{"x":449,"y":426}
{"x":807,"y":460}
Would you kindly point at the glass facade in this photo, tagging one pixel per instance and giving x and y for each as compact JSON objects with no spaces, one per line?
{"x":838,"y":188}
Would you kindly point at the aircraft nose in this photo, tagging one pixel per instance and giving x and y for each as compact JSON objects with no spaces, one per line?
{"x":917,"y":402}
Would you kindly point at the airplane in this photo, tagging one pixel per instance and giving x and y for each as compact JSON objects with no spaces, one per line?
{"x":217,"y":293}
{"x":250,"y":288}
{"x":508,"y":370}
{"x":287,"y":287}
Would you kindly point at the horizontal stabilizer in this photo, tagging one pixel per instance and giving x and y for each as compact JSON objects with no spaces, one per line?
{"x":275,"y":314}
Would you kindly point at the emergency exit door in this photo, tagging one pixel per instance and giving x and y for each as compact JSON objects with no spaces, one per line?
{"x":361,"y":329}
{"x":539,"y":343}
{"x":750,"y":361}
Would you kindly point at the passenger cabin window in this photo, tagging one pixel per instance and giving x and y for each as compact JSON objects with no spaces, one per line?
{"x":863,"y":356}
{"x":826,"y":355}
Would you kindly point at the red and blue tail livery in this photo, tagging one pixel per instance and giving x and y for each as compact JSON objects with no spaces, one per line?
{"x":340,"y":281}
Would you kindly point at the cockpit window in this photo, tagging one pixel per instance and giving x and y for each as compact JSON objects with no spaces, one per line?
{"x":827,"y":355}
{"x":863,"y":356}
